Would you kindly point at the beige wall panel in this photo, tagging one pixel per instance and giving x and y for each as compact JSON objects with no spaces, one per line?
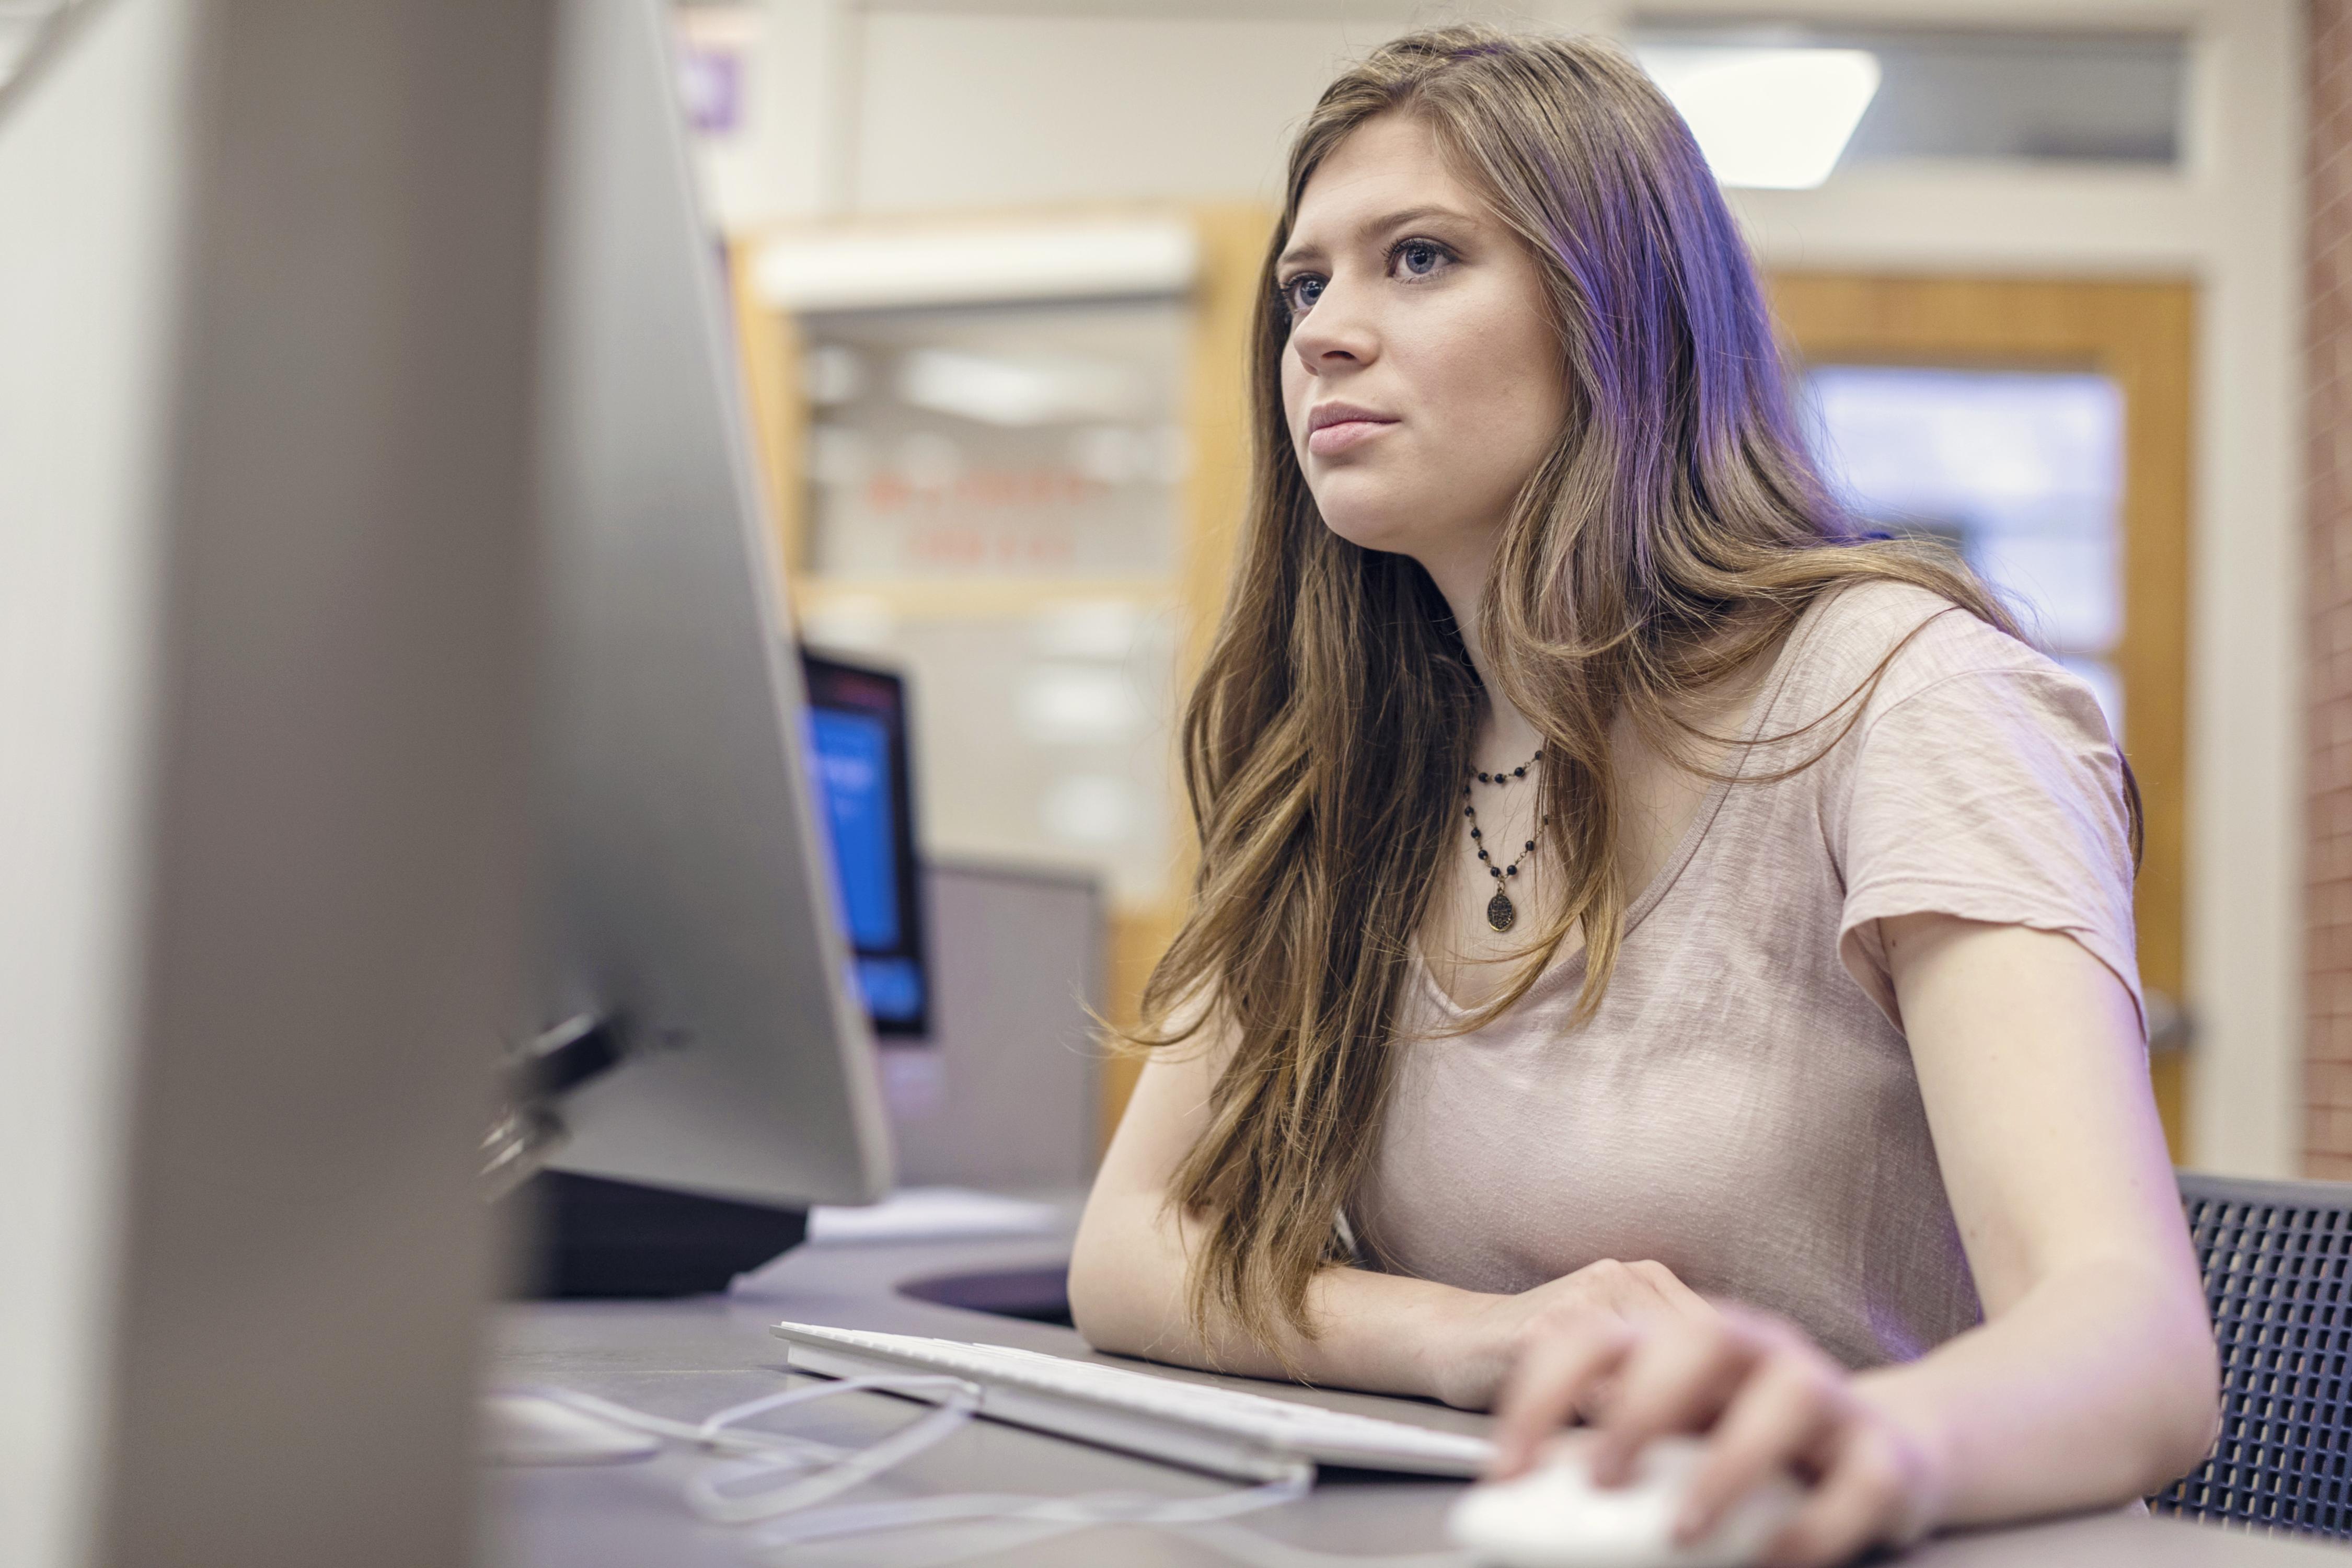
{"x":1212,"y":117}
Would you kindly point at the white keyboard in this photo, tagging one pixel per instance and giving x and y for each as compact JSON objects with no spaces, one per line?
{"x":1245,"y":1436}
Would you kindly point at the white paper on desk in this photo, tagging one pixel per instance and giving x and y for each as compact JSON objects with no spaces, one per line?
{"x":934,"y":1214}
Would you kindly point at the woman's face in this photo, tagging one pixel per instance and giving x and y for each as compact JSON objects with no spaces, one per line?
{"x":1423,"y":383}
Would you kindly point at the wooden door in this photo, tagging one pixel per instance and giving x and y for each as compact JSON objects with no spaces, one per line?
{"x":2139,"y":335}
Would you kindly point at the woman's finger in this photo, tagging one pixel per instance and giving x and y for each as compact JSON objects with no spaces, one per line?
{"x":1864,"y":1499}
{"x":1678,"y":1297}
{"x":1783,"y":1413}
{"x":1542,"y":1390}
{"x":1678,"y":1380}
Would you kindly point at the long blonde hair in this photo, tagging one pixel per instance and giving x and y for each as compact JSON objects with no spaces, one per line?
{"x":1677,"y":529}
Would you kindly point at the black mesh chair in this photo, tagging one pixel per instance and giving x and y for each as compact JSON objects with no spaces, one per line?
{"x":2277,"y":1258}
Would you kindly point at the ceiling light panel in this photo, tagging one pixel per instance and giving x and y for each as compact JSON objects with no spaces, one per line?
{"x":1771,"y":118}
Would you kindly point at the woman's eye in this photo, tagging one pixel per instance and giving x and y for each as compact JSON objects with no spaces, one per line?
{"x":1301,"y":293}
{"x":1420,"y":257}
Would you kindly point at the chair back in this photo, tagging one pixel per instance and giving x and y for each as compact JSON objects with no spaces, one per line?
{"x":2275,"y":1257}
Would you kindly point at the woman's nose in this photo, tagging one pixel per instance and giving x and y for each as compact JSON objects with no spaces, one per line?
{"x":1334,"y":333}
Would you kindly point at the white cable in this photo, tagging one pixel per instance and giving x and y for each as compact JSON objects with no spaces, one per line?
{"x":719,"y":1495}
{"x":812,"y":1471}
{"x":693,"y":1434}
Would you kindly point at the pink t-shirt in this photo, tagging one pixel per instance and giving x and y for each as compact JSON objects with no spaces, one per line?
{"x":1744,"y":1109}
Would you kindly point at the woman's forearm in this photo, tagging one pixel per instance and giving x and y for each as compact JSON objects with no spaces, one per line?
{"x":2097,"y":1386}
{"x":1128,"y":1294}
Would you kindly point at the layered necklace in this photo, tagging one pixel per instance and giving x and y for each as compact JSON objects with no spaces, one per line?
{"x":1501,"y":913}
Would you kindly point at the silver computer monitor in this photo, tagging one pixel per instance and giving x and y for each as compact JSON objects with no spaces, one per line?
{"x":687,"y":891}
{"x":267,"y":286}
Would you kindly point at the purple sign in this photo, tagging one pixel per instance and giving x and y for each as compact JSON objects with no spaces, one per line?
{"x":710,"y":80}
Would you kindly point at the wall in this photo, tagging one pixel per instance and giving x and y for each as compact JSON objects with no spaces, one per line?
{"x":1091,"y":122}
{"x":947,"y":102}
{"x":905,"y":105}
{"x":2328,"y":887}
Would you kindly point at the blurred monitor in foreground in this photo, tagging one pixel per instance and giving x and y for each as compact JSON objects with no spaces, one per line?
{"x":267,"y":279}
{"x":717,"y":1076}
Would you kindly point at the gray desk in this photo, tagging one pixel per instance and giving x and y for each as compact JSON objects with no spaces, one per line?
{"x":686,"y":1359}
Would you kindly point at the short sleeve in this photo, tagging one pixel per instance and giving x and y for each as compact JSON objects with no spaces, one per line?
{"x":1994,"y":796}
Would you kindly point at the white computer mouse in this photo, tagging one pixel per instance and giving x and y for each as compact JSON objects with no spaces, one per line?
{"x":1554,"y":1517}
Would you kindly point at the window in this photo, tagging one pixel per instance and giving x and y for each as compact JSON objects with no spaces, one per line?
{"x":2021,"y":471}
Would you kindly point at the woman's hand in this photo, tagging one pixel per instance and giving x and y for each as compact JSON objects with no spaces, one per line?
{"x":1484,"y":1336}
{"x":1768,"y":1398}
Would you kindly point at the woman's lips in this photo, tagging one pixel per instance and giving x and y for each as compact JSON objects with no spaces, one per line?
{"x":1333,"y":440}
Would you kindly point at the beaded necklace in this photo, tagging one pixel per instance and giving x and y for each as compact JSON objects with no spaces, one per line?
{"x":1501,"y":913}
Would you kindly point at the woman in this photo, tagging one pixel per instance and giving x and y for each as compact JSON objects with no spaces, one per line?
{"x":1656,"y":955}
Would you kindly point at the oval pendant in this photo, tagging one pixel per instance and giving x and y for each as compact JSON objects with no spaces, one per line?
{"x":1500,"y":912}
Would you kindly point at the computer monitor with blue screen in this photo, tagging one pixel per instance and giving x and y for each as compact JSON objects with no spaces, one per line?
{"x":857,"y":743}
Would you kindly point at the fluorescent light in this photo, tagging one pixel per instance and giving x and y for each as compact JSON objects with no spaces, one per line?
{"x":1003,"y":389}
{"x":1775,"y":118}
{"x":1078,"y":704}
{"x":1088,"y":628}
{"x":974,"y":265}
{"x":1090,"y":808}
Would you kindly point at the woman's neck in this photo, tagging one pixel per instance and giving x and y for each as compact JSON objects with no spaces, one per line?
{"x":1505,"y":737}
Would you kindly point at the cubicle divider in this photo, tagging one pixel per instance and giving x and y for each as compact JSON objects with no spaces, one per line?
{"x":1004,"y":1095}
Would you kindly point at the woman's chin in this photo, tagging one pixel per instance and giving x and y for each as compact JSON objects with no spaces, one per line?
{"x":1381,"y":531}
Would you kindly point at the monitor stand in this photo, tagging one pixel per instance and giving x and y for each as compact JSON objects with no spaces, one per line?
{"x":598,"y":1238}
{"x":594,"y":1237}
